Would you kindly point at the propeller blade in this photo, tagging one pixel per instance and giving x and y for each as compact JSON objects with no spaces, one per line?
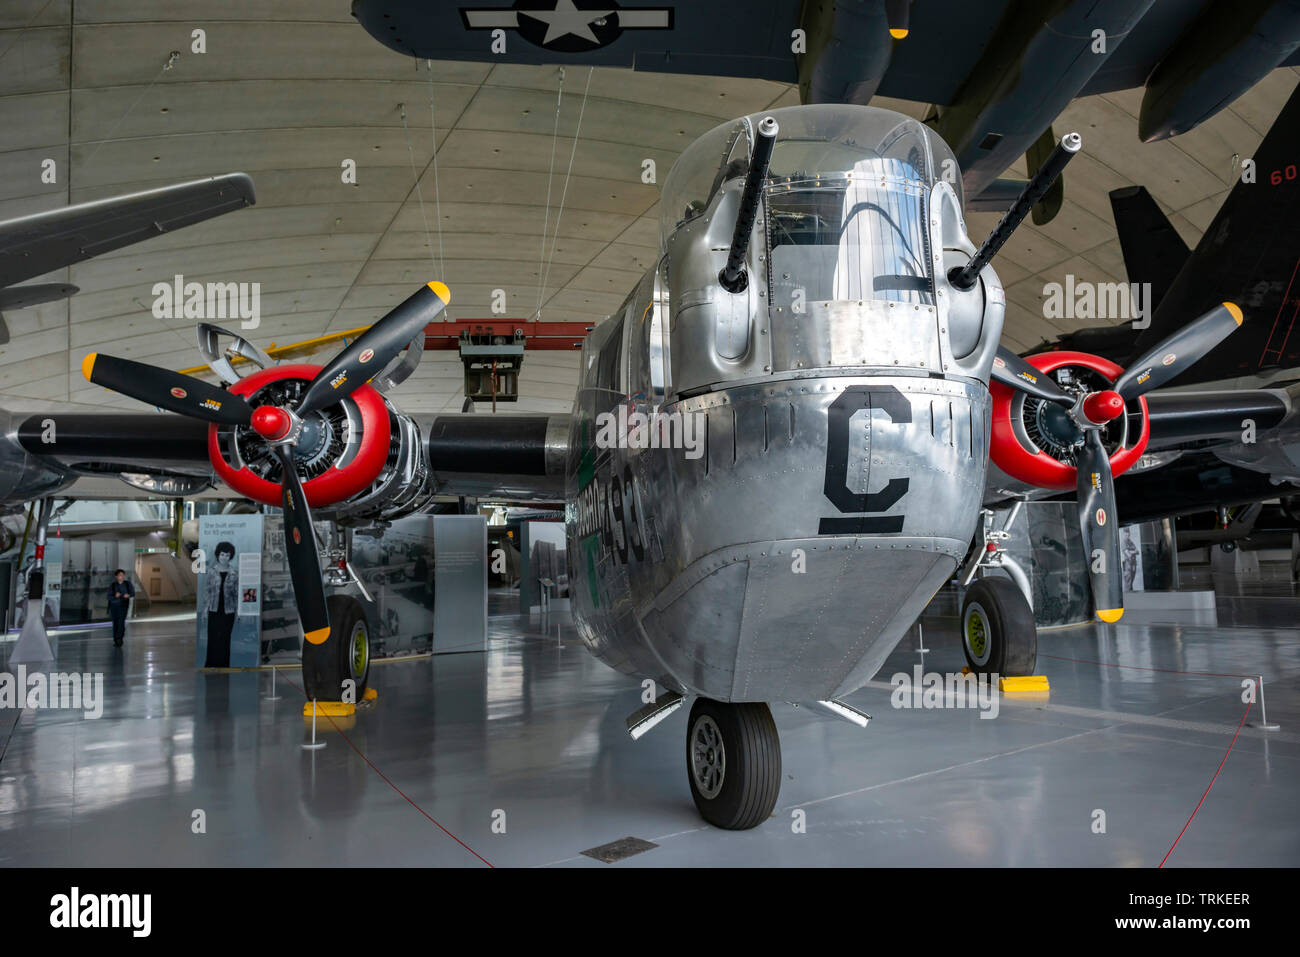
{"x":1097,"y":521}
{"x":300,"y":547}
{"x":1013,"y":371}
{"x":166,"y":389}
{"x":370,"y":353}
{"x":1180,"y":351}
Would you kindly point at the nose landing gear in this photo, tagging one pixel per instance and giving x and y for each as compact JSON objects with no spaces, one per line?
{"x":733,"y":762}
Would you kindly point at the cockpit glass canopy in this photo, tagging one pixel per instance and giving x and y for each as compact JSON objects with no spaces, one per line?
{"x":847,"y":195}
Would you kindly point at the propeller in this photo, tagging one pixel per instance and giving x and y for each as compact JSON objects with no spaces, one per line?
{"x":1096,"y":495}
{"x":300,"y":548}
{"x":280,"y":427}
{"x":1180,"y":351}
{"x":166,"y":389}
{"x":370,"y":352}
{"x":1013,"y":371}
{"x":1085,"y":416}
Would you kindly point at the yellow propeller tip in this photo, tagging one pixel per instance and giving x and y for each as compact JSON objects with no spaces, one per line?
{"x":1110,"y":615}
{"x":318,"y":636}
{"x":441,"y":291}
{"x":88,"y":365}
{"x":897,"y":33}
{"x":1234,"y":310}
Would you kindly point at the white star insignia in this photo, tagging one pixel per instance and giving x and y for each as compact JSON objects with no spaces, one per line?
{"x":567,"y":20}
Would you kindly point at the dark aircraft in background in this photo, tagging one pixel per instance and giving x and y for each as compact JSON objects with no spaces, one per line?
{"x":996,"y":72}
{"x":1250,"y":254}
{"x":32,"y":246}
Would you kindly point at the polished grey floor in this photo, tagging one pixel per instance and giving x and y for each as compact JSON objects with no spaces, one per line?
{"x":528,"y":738}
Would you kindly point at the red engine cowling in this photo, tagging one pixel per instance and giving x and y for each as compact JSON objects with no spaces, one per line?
{"x":1027,"y":453}
{"x":353,"y":438}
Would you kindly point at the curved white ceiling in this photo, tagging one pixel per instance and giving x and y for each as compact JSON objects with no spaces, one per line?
{"x":287,"y":94}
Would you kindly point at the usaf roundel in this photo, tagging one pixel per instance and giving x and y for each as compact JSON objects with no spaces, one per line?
{"x":567,"y":26}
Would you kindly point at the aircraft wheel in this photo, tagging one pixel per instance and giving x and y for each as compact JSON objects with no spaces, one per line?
{"x":733,"y":761}
{"x":344,"y":654}
{"x":998,"y":633}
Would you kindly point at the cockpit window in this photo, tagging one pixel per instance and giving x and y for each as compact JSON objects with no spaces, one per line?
{"x":858,"y":236}
{"x":815,"y":143}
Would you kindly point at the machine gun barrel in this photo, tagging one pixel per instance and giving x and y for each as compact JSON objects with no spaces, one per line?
{"x":964,"y":277}
{"x":733,"y":277}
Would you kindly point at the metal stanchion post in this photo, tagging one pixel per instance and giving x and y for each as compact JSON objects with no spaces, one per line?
{"x":314,"y":743}
{"x":1263,"y":724}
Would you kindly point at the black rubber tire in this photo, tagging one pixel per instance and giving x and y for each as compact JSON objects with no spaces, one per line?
{"x":1011,"y":637}
{"x":326,"y":666}
{"x":751,"y":778}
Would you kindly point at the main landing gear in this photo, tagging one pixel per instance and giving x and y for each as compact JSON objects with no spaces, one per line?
{"x":344,"y":655}
{"x":733,"y":762}
{"x":998,"y":633}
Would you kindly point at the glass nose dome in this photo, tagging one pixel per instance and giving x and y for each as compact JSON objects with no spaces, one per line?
{"x":822,"y":142}
{"x":847,"y":198}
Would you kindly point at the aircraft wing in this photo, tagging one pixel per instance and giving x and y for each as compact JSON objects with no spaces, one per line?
{"x":996,"y":74}
{"x":1211,"y":449}
{"x":711,"y":39}
{"x":34,"y":245}
{"x":42,"y":453}
{"x":1208,"y":449}
{"x":517,"y":457}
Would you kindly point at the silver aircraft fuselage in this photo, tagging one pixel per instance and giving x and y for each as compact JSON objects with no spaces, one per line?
{"x":813,"y":457}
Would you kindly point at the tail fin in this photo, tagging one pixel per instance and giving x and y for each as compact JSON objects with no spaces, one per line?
{"x":1153,"y":250}
{"x":1250,"y":255}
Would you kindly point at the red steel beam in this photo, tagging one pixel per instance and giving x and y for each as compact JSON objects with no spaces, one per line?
{"x":537,"y":335}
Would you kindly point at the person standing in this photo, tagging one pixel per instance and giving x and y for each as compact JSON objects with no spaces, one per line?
{"x":120,"y":593}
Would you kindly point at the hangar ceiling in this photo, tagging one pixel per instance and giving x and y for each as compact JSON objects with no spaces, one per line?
{"x":288,"y":90}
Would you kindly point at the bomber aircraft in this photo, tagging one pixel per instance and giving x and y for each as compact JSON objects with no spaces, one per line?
{"x":821,"y":328}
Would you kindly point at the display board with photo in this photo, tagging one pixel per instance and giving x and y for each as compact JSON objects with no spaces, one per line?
{"x":229,"y":592}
